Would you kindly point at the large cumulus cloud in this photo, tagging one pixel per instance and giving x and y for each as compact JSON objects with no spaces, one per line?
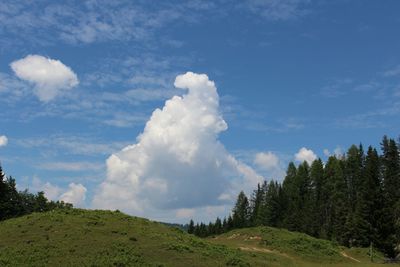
{"x":178,"y":162}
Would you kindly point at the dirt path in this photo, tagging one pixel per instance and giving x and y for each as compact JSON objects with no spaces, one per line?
{"x":349,"y":257}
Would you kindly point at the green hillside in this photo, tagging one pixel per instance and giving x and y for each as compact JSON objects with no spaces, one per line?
{"x":77,"y":237}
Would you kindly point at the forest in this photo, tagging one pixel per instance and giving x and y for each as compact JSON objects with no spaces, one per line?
{"x":352,"y":199}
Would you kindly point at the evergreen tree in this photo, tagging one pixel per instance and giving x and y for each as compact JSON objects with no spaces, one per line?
{"x":289,"y":195}
{"x":191,"y":227}
{"x":353,"y":170}
{"x":218,"y":226}
{"x":337,"y":205}
{"x":391,"y":195}
{"x":241,"y":211}
{"x":272,"y":205}
{"x":256,"y":206}
{"x":318,"y":197}
{"x":369,"y":210}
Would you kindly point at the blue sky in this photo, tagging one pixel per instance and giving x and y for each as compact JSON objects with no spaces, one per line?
{"x":79,"y":80}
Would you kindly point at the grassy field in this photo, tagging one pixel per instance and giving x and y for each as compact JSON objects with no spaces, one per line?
{"x":104,"y":238}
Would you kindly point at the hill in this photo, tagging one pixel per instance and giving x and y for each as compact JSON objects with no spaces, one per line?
{"x":75,"y":237}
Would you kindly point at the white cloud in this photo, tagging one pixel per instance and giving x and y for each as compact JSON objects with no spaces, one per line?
{"x":76,"y":195}
{"x":177,"y":162}
{"x":3,"y":140}
{"x":266,"y":160}
{"x":337,"y":152}
{"x":50,"y":77}
{"x":305,"y":154}
{"x":392,"y":72}
{"x":71,"y":166}
{"x":278,"y":9}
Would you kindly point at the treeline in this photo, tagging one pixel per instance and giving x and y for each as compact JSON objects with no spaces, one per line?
{"x":14,"y":203}
{"x":352,"y":199}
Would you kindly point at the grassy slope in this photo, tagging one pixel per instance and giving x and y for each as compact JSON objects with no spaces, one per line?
{"x":104,"y":238}
{"x":296,"y":249}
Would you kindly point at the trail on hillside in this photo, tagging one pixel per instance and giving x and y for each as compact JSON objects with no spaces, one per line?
{"x":349,"y":257}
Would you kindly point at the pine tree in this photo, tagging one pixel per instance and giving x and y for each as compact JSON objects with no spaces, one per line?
{"x":369,"y":210}
{"x":241,"y":211}
{"x":272,"y":205}
{"x":337,"y":205}
{"x":318,"y":197}
{"x":289,"y":193}
{"x":218,"y":226}
{"x":191,"y":227}
{"x":353,"y":170}
{"x":391,"y":195}
{"x":256,"y":206}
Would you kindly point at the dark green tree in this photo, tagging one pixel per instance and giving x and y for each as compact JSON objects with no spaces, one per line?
{"x":241,"y":211}
{"x":191,"y":227}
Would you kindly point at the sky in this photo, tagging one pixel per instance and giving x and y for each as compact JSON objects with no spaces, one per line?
{"x":167,"y":109}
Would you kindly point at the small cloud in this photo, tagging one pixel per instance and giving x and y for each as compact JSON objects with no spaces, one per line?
{"x":278,"y":10}
{"x":3,"y":140}
{"x":392,"y":72}
{"x":305,"y":154}
{"x":49,"y":76}
{"x":266,"y":160}
{"x":75,"y":195}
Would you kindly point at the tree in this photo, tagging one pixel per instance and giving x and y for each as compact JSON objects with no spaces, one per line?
{"x":256,"y":206}
{"x":318,"y":197}
{"x":391,"y":195}
{"x":289,"y":193}
{"x":191,"y":227}
{"x":272,"y":206}
{"x":241,"y":211}
{"x":353,"y":169}
{"x":336,"y":207}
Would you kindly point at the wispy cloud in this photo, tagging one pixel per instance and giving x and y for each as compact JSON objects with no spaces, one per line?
{"x":71,"y":166}
{"x":395,"y":71}
{"x":279,"y":10}
{"x":73,"y":145}
{"x":86,"y":22}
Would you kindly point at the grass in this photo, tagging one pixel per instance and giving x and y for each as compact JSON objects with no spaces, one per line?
{"x":297,"y":249}
{"x":104,"y":238}
{"x":78,"y":237}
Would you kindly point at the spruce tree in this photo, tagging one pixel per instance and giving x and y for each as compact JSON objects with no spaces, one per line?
{"x":318,"y":197}
{"x":241,"y":211}
{"x":289,"y":193}
{"x":191,"y":227}
{"x":391,"y":195}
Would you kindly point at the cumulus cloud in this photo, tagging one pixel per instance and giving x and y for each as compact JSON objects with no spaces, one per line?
{"x":177,"y":163}
{"x":3,"y":140}
{"x":50,"y":77}
{"x":76,"y":195}
{"x":305,"y":154}
{"x":266,"y":160}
